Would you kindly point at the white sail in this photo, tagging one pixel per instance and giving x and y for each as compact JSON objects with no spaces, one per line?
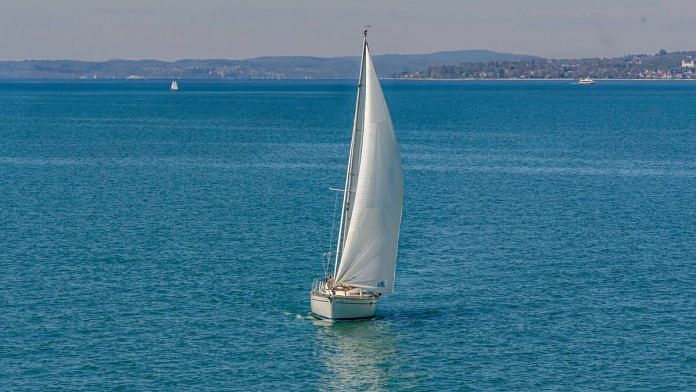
{"x":375,"y":196}
{"x":175,"y":86}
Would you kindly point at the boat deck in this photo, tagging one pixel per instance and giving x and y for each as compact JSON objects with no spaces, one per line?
{"x":320,"y":288}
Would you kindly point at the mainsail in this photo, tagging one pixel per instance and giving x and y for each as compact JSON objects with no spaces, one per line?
{"x":371,"y":216}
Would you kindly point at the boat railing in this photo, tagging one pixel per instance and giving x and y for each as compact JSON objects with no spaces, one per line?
{"x":318,"y":285}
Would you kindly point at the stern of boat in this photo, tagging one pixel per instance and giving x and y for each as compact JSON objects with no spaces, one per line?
{"x":342,"y":304}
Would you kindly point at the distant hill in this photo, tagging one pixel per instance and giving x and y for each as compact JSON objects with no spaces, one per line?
{"x":276,"y":67}
{"x":389,"y":64}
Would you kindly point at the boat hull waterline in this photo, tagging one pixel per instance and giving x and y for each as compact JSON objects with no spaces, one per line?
{"x":337,"y":308}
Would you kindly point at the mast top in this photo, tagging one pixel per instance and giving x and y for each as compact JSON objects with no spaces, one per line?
{"x":367,"y":27}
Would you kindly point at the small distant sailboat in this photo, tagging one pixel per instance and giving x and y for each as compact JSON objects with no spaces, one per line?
{"x":368,"y":235}
{"x":587,"y":80}
{"x":175,"y":86}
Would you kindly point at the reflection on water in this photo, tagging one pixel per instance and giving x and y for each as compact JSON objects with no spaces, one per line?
{"x":356,"y":355}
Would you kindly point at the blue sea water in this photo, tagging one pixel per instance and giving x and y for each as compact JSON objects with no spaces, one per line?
{"x":167,"y":241}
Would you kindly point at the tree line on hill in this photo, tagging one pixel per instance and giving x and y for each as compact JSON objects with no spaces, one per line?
{"x":662,"y":65}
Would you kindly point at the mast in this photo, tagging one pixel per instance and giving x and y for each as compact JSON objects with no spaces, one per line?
{"x":349,"y":172}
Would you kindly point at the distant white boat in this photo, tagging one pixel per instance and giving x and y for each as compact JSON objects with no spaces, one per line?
{"x":368,"y":234}
{"x":586,"y":80}
{"x":175,"y":86}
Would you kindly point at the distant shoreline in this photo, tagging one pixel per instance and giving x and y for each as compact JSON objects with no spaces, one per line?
{"x":168,"y":80}
{"x":541,"y":80}
{"x":463,"y":65}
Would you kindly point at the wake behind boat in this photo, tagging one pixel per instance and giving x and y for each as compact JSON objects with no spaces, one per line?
{"x":365,"y":259}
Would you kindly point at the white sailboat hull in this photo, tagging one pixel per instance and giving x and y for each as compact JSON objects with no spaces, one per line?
{"x":343,"y":308}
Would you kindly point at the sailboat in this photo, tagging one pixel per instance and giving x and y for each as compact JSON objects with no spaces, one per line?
{"x":364,"y":265}
{"x":175,"y":86}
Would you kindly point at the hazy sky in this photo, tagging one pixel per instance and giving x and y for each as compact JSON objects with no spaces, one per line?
{"x":175,"y":29}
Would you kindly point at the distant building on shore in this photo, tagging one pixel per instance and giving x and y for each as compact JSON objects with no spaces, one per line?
{"x":688,"y":63}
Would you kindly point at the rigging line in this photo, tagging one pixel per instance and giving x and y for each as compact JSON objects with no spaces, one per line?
{"x":333,"y":226}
